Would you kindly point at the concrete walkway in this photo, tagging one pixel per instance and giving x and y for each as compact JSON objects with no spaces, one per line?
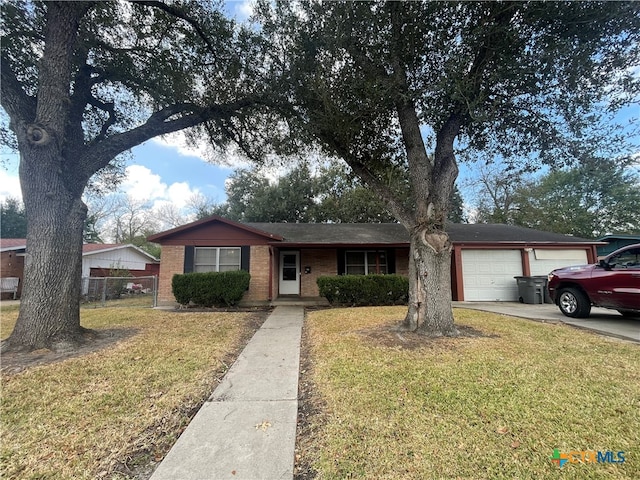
{"x":247,"y":428}
{"x":603,"y":321}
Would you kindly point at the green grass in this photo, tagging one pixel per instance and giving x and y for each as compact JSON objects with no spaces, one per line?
{"x":474,"y":408}
{"x":85,"y":417}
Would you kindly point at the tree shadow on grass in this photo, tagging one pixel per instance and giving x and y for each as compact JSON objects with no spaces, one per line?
{"x":17,"y":361}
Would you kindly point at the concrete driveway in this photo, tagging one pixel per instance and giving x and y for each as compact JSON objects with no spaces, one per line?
{"x":601,"y":320}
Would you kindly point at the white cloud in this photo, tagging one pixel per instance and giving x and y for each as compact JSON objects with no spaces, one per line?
{"x":9,"y":186}
{"x":245,"y":9}
{"x":178,"y":142}
{"x":179,"y":193}
{"x":231,"y":158}
{"x":142,"y":184}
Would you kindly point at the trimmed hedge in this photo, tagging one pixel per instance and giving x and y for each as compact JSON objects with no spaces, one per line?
{"x":362,"y":290}
{"x":210,"y":289}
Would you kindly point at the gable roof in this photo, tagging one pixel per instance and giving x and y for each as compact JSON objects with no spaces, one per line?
{"x":8,"y":244}
{"x":93,"y":248}
{"x":159,"y":237}
{"x":369,"y":234}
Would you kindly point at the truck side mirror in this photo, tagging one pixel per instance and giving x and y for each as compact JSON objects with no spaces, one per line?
{"x":604,"y":264}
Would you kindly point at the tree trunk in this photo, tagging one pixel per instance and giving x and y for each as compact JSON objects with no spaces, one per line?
{"x":50,"y":311}
{"x":430,"y":311}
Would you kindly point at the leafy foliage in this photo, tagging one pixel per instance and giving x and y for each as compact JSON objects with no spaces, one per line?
{"x":13,"y":220}
{"x":362,"y":290}
{"x":596,"y":198}
{"x":333,"y":194}
{"x":589,"y":201}
{"x":211,"y":289}
{"x":527,"y":81}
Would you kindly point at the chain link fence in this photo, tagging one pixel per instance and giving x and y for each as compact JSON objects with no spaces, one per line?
{"x":120,"y":291}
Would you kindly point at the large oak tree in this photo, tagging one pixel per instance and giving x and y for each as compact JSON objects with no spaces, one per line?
{"x":413,"y":85}
{"x":81,"y":83}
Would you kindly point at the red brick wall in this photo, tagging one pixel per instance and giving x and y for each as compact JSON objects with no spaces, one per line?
{"x":172,"y":263}
{"x":11,"y":265}
{"x":322,"y":262}
{"x":259,"y":270}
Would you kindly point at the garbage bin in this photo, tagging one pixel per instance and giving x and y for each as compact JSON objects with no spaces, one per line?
{"x":530,"y":289}
{"x":545,"y":290}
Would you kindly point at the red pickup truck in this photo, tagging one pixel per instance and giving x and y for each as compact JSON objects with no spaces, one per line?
{"x":612,"y":283}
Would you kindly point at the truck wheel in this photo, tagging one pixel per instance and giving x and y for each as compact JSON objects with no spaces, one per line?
{"x":573,"y":303}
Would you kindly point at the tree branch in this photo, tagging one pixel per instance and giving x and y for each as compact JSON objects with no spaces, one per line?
{"x":20,"y":106}
{"x":187,"y":115}
{"x":178,"y":13}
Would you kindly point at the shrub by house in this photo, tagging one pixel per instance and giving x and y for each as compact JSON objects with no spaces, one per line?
{"x":360,"y":290}
{"x":210,"y":289}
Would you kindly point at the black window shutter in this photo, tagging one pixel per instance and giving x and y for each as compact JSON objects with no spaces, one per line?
{"x":245,"y":257}
{"x":342,"y":268}
{"x":391,"y":260}
{"x":189,"y":252}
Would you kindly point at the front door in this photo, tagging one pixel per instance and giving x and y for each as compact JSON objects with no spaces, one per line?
{"x":289,"y":273}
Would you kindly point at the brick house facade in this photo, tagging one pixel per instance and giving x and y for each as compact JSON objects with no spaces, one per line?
{"x":286,"y":259}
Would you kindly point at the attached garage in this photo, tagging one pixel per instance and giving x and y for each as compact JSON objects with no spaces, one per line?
{"x":488,"y":275}
{"x":543,"y":260}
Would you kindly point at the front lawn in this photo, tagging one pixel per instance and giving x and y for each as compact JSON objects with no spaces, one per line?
{"x":111,"y":412}
{"x":489,"y":406}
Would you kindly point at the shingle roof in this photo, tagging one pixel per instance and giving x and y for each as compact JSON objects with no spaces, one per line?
{"x":87,"y":249}
{"x":12,"y":243}
{"x":394,"y":233}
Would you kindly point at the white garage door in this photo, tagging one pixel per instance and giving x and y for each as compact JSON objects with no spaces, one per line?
{"x":543,"y":261}
{"x":488,"y":275}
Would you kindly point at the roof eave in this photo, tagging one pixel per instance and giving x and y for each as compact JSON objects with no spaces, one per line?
{"x":158,"y":237}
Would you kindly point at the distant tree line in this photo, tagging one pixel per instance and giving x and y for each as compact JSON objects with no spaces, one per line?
{"x":333,"y":194}
{"x":591,"y":200}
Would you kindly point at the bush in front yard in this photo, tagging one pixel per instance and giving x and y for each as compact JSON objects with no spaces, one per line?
{"x":211,"y":289}
{"x":360,"y":290}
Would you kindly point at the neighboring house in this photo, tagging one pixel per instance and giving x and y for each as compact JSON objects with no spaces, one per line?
{"x":614,"y":242}
{"x":101,"y":260}
{"x":285,"y":259}
{"x":97,"y":259}
{"x":12,"y":261}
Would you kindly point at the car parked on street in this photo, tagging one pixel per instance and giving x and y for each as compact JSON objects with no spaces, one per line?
{"x":612,"y":283}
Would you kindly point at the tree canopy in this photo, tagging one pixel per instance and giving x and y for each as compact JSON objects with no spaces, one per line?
{"x":588,"y":201}
{"x":331,"y":194}
{"x":411,"y":86}
{"x":82,"y":82}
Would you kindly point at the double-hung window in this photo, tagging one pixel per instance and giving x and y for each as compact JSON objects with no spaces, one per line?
{"x":216,"y":259}
{"x":365,"y":262}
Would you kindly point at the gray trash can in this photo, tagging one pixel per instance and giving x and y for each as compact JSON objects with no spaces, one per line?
{"x":545,"y":290}
{"x":531,"y":289}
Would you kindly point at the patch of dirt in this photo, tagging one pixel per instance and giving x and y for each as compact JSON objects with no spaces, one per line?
{"x":191,"y":309}
{"x":310,"y":414}
{"x":94,"y":340}
{"x":393,"y":337}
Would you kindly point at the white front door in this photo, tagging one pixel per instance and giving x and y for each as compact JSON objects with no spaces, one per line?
{"x":289,"y":273}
